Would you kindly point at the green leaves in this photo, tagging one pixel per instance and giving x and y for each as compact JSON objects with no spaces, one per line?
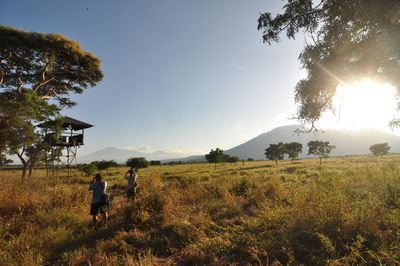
{"x":137,"y":162}
{"x":38,"y":72}
{"x":380,"y":149}
{"x":347,"y":40}
{"x":320,"y":148}
{"x":278,"y":151}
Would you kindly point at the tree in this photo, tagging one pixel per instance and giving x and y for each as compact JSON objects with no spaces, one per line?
{"x":380,"y":149}
{"x":38,"y":72}
{"x":104,"y":165}
{"x":347,"y":40}
{"x":293,"y":149}
{"x":87,"y":169}
{"x":320,"y":148}
{"x":233,"y":159}
{"x":137,"y":162}
{"x":275,"y":152}
{"x":215,"y":157}
{"x":153,"y":162}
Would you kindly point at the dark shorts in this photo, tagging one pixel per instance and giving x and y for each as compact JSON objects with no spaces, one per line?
{"x":130,"y":193}
{"x":97,"y":208}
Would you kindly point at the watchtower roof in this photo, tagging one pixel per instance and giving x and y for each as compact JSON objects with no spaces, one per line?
{"x":68,"y":122}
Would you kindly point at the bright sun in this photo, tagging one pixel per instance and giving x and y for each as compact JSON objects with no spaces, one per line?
{"x":365,"y":104}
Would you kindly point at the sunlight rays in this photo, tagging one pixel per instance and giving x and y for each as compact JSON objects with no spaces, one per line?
{"x":364,"y":104}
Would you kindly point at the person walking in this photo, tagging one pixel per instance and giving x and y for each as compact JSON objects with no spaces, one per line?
{"x":131,"y":176}
{"x":99,"y":204}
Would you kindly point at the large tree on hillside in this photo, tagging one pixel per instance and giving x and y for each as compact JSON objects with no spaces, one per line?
{"x":38,"y":73}
{"x":275,"y":152}
{"x":380,"y":149}
{"x":320,"y":148}
{"x":346,"y":40}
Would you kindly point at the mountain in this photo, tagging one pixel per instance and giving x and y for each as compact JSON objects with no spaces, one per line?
{"x":346,"y":142}
{"x":121,"y":155}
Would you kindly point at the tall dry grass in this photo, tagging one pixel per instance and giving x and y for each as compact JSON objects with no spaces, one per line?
{"x":343,"y":212}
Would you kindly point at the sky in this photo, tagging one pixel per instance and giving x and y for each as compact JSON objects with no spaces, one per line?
{"x":179,"y":75}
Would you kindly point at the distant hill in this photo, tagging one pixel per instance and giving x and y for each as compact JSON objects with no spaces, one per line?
{"x":121,"y":155}
{"x":346,"y":142}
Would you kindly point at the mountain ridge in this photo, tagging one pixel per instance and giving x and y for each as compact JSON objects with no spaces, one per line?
{"x":346,"y":142}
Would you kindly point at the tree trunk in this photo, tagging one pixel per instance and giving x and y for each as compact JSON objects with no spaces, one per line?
{"x":24,"y":166}
{"x":320,"y":160}
{"x":276,"y":162}
{"x":215,"y":166}
{"x":30,"y":167}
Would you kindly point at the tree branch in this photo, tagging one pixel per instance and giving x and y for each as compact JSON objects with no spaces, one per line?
{"x":21,"y":83}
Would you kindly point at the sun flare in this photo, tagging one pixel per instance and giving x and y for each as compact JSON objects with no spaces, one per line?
{"x":365,"y":104}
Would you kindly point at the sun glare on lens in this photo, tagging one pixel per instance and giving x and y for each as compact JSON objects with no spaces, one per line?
{"x":365,"y":104}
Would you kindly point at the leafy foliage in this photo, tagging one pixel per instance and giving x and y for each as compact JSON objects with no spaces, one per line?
{"x":215,"y":156}
{"x":137,"y":162}
{"x":103,"y":165}
{"x":275,"y":152}
{"x":38,"y":72}
{"x":87,"y":169}
{"x":233,"y":159}
{"x":154,"y":162}
{"x":293,"y":150}
{"x":320,"y":148}
{"x":380,"y":149}
{"x":346,"y":40}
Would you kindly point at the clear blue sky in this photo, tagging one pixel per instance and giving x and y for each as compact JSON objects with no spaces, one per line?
{"x":178,"y":75}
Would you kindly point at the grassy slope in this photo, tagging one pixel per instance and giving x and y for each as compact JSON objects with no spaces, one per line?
{"x":345,"y":212}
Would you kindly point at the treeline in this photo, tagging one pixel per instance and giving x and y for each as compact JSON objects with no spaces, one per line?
{"x":278,"y":151}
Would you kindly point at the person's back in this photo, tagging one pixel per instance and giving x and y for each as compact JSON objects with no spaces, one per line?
{"x":98,"y":188}
{"x":132,"y":184}
{"x":131,"y":180}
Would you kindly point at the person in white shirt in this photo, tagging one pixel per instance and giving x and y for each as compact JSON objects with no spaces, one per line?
{"x":99,"y":188}
{"x":131,"y":176}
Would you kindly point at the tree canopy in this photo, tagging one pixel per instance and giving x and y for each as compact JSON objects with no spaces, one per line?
{"x":137,"y":162}
{"x":104,"y":164}
{"x":293,"y":149}
{"x":38,"y":73}
{"x":275,"y":152}
{"x":346,"y":40}
{"x":320,"y":148}
{"x":380,"y":149}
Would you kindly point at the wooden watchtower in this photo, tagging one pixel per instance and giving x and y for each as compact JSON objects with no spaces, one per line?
{"x":63,"y":145}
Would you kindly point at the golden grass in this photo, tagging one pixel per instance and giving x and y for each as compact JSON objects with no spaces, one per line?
{"x":343,"y":212}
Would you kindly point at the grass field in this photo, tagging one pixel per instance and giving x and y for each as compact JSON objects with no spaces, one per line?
{"x":346,"y":211}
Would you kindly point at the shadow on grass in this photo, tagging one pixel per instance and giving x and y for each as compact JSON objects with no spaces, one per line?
{"x":89,"y":238}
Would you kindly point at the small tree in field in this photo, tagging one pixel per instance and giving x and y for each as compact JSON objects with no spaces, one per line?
{"x":320,"y":148}
{"x":87,"y":169}
{"x":380,"y":149}
{"x":104,"y":165}
{"x":293,"y":150}
{"x":275,"y":152}
{"x":215,"y":157}
{"x":153,"y":162}
{"x":233,"y":159}
{"x":137,"y":162}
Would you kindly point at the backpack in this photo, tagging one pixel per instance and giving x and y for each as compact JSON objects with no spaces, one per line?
{"x":105,"y":198}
